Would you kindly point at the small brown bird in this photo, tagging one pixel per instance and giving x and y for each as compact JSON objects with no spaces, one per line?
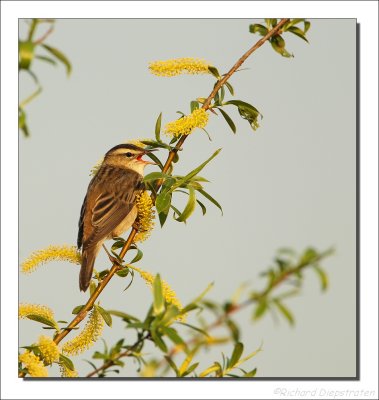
{"x":109,"y":208}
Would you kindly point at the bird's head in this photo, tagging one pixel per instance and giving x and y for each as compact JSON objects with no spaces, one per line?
{"x":127,"y":156}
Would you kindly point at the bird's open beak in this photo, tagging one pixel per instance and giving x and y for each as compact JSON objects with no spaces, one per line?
{"x":139,"y":158}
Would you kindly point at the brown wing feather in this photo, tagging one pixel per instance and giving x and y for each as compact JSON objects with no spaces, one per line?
{"x":110,"y":199}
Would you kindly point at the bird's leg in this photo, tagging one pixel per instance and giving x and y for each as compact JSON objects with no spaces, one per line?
{"x":113,"y":259}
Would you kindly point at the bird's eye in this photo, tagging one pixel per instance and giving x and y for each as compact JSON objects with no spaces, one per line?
{"x":128,"y":154}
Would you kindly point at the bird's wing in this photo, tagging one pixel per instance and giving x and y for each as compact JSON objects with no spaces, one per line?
{"x":81,"y":223}
{"x":112,"y":202}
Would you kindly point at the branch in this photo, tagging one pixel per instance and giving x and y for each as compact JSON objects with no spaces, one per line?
{"x":82,"y":314}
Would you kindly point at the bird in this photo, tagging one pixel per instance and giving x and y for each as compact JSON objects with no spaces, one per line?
{"x":109,"y":207}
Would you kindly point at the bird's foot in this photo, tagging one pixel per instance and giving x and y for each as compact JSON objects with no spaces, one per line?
{"x":114,"y":260}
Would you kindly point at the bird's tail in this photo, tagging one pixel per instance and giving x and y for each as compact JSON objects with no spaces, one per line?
{"x":88,"y":261}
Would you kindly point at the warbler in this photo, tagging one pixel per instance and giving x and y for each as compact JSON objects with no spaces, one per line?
{"x":109,"y":207}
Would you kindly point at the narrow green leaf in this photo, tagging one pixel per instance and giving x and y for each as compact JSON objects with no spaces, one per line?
{"x":250,"y":374}
{"x":215,"y":367}
{"x":260,"y":310}
{"x":262,"y":30}
{"x":123,"y":273}
{"x":228,"y":120}
{"x":234,"y":330}
{"x":77,"y":309}
{"x":47,"y":59}
{"x":66,"y":362}
{"x":42,"y":320}
{"x":236,"y":355}
{"x":26,"y":54}
{"x":158,"y":128}
{"x":202,"y":206}
{"x":190,"y":206}
{"x":60,"y":56}
{"x":194,"y":328}
{"x":323,"y":277}
{"x":137,"y":257}
{"x":158,"y":295}
{"x":172,"y":365}
{"x":125,"y":316}
{"x":187,"y":362}
{"x":159,"y":341}
{"x":194,"y":105}
{"x":214,"y":71}
{"x":153,"y":176}
{"x":285,"y":311}
{"x":211,"y":199}
{"x":173,"y":335}
{"x":298,"y":32}
{"x":190,"y":369}
{"x":194,"y":172}
{"x":105,"y":314}
{"x":230,"y":88}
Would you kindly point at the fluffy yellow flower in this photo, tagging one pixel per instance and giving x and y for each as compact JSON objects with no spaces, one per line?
{"x":146,"y":215}
{"x":51,"y":253}
{"x":184,"y":126}
{"x":35,"y":309}
{"x":168,"y":293}
{"x":33,"y":364}
{"x":49,"y":349}
{"x":67,"y":372}
{"x":179,"y":66}
{"x":88,"y":336}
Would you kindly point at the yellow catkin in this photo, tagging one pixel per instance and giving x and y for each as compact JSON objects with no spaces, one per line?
{"x":87,"y":337}
{"x":26,"y":309}
{"x":184,"y":126}
{"x":168,"y":293}
{"x":33,"y":364}
{"x":146,"y":216}
{"x":51,"y":253}
{"x":49,"y":349}
{"x":67,"y":372}
{"x":179,"y":66}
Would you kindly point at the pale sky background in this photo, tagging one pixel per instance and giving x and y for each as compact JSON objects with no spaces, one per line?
{"x":291,"y":183}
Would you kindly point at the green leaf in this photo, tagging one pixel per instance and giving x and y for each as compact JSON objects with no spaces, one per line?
{"x":236,"y":355}
{"x":194,"y":328}
{"x":228,"y":120}
{"x":122,"y":273}
{"x":230,"y":88}
{"x":159,"y":341}
{"x":262,"y":30}
{"x":298,"y":32}
{"x":202,"y":206}
{"x":214,"y":71}
{"x":211,"y":199}
{"x":194,"y":172}
{"x":250,"y":374}
{"x":159,"y":306}
{"x":172,"y":365}
{"x":42,"y":320}
{"x":22,"y":122}
{"x":26,"y":54}
{"x":307,"y":25}
{"x":154,"y":176}
{"x":323,"y":277}
{"x":278,"y":44}
{"x":66,"y":362}
{"x":247,"y":111}
{"x":158,"y":128}
{"x":77,"y":309}
{"x":172,"y":334}
{"x":106,"y":316}
{"x":260,"y":309}
{"x":194,"y":105}
{"x":155,"y":159}
{"x":47,"y":59}
{"x":190,"y":369}
{"x":285,"y":311}
{"x":190,"y":206}
{"x":125,"y":316}
{"x":163,"y":201}
{"x":137,"y":257}
{"x":234,"y":330}
{"x":60,"y":56}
